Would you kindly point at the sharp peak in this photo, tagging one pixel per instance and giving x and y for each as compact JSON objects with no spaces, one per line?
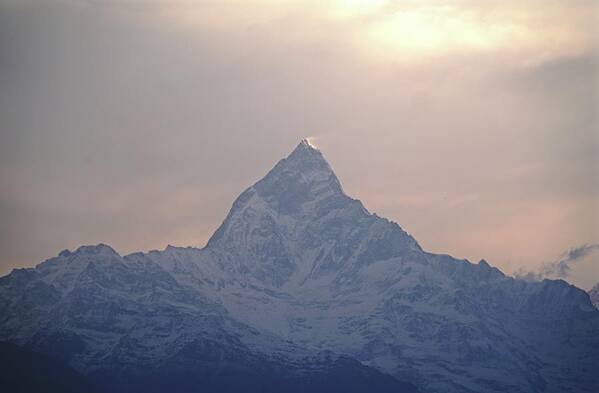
{"x":304,"y":159}
{"x":305,"y":146}
{"x":306,"y":143}
{"x":306,"y":153}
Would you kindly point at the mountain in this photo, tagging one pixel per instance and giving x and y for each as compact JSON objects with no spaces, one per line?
{"x":297,"y":224}
{"x":594,"y":295}
{"x":302,"y":285}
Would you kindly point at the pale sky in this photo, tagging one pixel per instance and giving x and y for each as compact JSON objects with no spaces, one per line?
{"x":473,"y":124}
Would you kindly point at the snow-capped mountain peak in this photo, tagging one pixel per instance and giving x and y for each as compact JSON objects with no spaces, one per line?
{"x":305,"y":171}
{"x":297,"y":221}
{"x":298,"y":268}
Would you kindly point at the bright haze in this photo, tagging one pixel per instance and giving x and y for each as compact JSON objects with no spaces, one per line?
{"x":472,"y":124}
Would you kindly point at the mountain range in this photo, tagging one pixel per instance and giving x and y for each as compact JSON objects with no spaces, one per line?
{"x":301,"y":289}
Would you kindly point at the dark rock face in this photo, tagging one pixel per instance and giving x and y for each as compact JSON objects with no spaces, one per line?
{"x":302,"y":289}
{"x":594,"y":294}
{"x":210,"y":367}
{"x":24,"y":371}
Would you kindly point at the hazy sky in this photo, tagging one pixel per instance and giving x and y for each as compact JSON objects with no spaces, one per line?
{"x":473,"y":124}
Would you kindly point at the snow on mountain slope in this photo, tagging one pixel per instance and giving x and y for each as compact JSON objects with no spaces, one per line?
{"x":129,"y":326}
{"x":303,"y":265}
{"x":297,"y":224}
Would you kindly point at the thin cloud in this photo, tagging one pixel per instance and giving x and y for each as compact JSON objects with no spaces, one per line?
{"x":561,"y":268}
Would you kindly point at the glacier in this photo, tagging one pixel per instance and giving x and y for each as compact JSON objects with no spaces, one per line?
{"x":302,"y":289}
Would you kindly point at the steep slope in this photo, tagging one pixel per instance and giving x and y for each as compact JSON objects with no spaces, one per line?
{"x":300,"y":274}
{"x":297,"y":224}
{"x":594,"y":295}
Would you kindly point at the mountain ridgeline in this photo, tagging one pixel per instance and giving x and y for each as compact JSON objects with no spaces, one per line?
{"x":301,"y":289}
{"x":594,"y":295}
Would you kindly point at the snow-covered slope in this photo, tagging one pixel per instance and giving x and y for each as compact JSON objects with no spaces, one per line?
{"x":130,"y":327}
{"x":297,"y":224}
{"x":298,"y":269}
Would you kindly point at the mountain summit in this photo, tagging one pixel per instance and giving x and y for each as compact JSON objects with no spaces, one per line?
{"x":297,"y":222}
{"x":302,"y":289}
{"x":303,"y":177}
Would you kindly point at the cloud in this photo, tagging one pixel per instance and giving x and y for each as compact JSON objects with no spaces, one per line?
{"x":405,"y":31}
{"x":561,"y":268}
{"x":138,"y":123}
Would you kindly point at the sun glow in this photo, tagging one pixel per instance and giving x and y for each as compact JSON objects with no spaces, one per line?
{"x":310,"y":140}
{"x":434,"y":29}
{"x":393,"y":31}
{"x":357,"y":7}
{"x":400,"y":31}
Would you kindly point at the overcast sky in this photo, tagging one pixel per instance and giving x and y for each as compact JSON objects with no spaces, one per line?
{"x":472,"y":124}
